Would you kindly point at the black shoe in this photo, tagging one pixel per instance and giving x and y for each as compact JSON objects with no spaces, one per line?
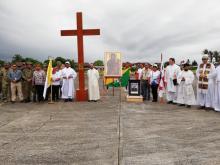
{"x":181,"y":105}
{"x":70,"y":100}
{"x":170,"y":102}
{"x":188,"y":106}
{"x":12,"y":102}
{"x":65,"y":100}
{"x":201,"y":107}
{"x":209,"y":109}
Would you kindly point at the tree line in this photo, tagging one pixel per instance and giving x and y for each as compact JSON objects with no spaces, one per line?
{"x":20,"y":58}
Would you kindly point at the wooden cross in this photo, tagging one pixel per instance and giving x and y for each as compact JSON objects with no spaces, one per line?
{"x":81,"y":93}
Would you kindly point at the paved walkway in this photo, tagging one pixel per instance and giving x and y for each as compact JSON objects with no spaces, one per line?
{"x":88,"y":134}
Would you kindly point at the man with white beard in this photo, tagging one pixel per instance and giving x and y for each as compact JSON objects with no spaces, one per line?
{"x":172,"y":72}
{"x":186,"y":94}
{"x":68,"y":75}
{"x":93,"y":84}
{"x":206,"y":84}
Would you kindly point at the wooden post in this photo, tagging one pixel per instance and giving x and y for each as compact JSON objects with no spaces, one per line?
{"x":81,"y":93}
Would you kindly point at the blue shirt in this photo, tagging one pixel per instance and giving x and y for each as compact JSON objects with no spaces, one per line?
{"x":14,"y":75}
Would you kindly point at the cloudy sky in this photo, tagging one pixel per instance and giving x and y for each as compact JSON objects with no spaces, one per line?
{"x":141,"y":29}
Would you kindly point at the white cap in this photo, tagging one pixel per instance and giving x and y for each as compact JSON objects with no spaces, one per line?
{"x":67,"y":62}
{"x":205,"y":56}
{"x":155,"y":65}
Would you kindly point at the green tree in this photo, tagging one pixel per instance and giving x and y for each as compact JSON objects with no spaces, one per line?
{"x":2,"y":63}
{"x":17,"y":58}
{"x":34,"y":61}
{"x":98,"y":63}
{"x":188,"y":61}
{"x":216,"y":55}
{"x":209,"y":53}
{"x":205,"y":51}
{"x":61,"y":59}
{"x":194,"y":63}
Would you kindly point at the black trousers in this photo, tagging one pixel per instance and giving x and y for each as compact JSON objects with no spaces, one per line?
{"x":154,"y":89}
{"x":55,"y":92}
{"x":145,"y":89}
{"x":39,"y":91}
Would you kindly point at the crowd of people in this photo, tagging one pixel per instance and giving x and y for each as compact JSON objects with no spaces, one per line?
{"x":176,"y":83}
{"x":26,"y":83}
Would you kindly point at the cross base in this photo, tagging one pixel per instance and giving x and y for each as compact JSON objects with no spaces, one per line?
{"x":82,"y":95}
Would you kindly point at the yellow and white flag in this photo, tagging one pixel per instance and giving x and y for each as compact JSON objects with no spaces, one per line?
{"x":48,"y":81}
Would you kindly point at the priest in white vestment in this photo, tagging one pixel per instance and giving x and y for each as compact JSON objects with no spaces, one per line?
{"x":68,"y":75}
{"x":93,"y":84}
{"x":206,"y":84}
{"x":186,"y":94}
{"x":216,"y":75}
{"x":172,"y":72}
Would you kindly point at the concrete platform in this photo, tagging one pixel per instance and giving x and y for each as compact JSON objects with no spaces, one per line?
{"x":107,"y":133}
{"x":135,"y":99}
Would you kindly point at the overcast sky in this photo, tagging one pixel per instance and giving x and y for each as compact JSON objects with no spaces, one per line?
{"x":141,"y":30}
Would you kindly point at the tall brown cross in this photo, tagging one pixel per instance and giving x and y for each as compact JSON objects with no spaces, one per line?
{"x":81,"y":93}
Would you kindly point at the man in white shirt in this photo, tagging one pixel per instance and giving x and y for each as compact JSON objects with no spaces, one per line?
{"x":140,"y":69}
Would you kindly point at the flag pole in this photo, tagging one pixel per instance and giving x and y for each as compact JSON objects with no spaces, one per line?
{"x":51,"y":89}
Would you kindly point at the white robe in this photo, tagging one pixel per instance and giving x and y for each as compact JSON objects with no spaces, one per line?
{"x":68,"y":90}
{"x":206,"y":97}
{"x":185,"y":90}
{"x":171,"y":72}
{"x":216,"y":75}
{"x":93,"y":84}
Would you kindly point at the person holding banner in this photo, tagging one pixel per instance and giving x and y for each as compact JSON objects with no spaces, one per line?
{"x":68,"y":75}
